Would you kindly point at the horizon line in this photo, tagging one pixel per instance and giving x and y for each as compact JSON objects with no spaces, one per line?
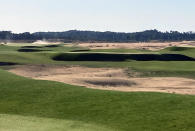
{"x":99,"y":31}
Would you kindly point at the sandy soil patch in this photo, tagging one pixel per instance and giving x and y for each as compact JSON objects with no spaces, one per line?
{"x":41,"y":42}
{"x":106,"y":79}
{"x":147,"y":46}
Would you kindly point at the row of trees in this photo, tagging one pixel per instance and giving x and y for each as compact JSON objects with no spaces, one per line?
{"x":92,"y":36}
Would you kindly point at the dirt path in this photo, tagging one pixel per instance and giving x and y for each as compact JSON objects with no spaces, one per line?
{"x":106,"y":79}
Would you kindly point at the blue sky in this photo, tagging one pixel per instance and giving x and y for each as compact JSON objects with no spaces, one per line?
{"x":97,"y":15}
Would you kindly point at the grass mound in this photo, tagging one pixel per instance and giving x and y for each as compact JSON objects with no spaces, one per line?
{"x":178,"y":48}
{"x":120,"y":57}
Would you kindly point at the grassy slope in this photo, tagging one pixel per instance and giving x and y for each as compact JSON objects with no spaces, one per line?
{"x":113,"y":110}
{"x":163,"y":68}
{"x":188,"y":51}
{"x":69,"y":107}
{"x":147,"y":68}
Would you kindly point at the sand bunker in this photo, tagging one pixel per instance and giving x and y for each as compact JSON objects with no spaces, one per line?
{"x":141,"y":45}
{"x":106,"y":79}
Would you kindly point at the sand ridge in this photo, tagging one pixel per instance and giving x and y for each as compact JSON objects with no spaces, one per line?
{"x":106,"y":79}
{"x":138,"y":45}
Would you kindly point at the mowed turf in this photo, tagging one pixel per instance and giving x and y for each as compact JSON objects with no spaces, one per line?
{"x":28,"y":105}
{"x":37,"y":105}
{"x":27,"y":123}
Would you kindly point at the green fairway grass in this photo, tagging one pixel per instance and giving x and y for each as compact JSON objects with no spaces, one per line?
{"x":26,"y":123}
{"x":188,"y":51}
{"x":28,"y":105}
{"x":55,"y":103}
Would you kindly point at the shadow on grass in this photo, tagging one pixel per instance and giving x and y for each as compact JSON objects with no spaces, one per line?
{"x":31,"y":50}
{"x":120,"y":57}
{"x":52,"y":46}
{"x":7,"y":63}
{"x":84,"y":50}
{"x":31,"y":47}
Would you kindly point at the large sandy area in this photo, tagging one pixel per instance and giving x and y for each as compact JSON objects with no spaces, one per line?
{"x":105,"y":79}
{"x":141,"y":45}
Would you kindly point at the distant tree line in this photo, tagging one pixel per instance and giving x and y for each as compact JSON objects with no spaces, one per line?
{"x":92,"y":36}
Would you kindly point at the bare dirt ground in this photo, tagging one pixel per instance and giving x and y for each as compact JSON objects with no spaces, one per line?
{"x":148,"y":46}
{"x":106,"y":79}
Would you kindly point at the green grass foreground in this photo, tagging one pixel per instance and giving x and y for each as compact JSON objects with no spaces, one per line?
{"x":26,"y":103}
{"x":27,"y":123}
